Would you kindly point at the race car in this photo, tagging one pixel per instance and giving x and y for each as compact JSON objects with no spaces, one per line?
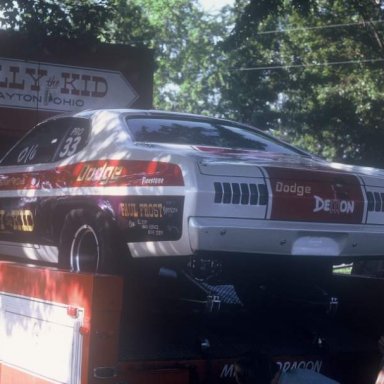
{"x":89,"y":189}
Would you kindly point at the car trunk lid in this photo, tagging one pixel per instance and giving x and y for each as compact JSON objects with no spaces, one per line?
{"x":300,"y":189}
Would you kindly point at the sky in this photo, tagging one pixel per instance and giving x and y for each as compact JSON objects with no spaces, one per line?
{"x":212,"y":6}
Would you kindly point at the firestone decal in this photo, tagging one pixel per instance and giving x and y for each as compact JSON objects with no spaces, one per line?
{"x":152,"y":180}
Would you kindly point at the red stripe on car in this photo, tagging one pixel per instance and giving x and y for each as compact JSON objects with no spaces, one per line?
{"x":98,"y":173}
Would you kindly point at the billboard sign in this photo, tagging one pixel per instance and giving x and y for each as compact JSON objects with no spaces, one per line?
{"x":45,"y":77}
{"x":61,"y":88}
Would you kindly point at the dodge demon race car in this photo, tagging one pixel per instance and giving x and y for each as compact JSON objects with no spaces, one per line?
{"x":81,"y":191}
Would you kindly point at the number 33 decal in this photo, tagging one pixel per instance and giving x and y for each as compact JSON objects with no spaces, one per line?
{"x":70,"y":146}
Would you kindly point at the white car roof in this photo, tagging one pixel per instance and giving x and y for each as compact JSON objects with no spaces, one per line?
{"x":148,"y":112}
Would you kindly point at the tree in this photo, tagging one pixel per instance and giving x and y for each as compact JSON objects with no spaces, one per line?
{"x":189,"y":59}
{"x":67,"y":18}
{"x":313,"y":71}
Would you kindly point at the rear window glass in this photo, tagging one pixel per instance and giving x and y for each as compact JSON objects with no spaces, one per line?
{"x":204,"y":133}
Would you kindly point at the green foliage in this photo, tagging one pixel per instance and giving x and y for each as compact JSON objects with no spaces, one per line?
{"x":189,"y":61}
{"x":128,"y":24}
{"x":67,"y":18}
{"x":313,"y":71}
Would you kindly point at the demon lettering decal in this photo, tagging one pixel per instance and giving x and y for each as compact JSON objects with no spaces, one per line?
{"x":334,"y":206}
{"x":306,"y":195}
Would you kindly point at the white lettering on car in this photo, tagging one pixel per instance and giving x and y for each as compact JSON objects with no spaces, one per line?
{"x":296,"y":189}
{"x":334,"y":206}
{"x":70,"y":146}
{"x":27,"y":154}
{"x":102,"y":174}
{"x":152,"y":180}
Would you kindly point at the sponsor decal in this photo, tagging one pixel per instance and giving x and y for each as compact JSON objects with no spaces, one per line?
{"x":126,"y":173}
{"x":20,"y":220}
{"x":294,"y":188}
{"x":310,"y":195}
{"x":14,"y":181}
{"x":334,"y":206}
{"x":62,"y":88}
{"x":142,"y":210}
{"x":146,"y":218}
{"x":152,"y":180}
{"x":103,"y":173}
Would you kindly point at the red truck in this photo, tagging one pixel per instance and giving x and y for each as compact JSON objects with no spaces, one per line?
{"x":63,"y":327}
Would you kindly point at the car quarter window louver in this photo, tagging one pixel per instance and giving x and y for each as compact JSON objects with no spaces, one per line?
{"x":240,"y":193}
{"x":375,"y":201}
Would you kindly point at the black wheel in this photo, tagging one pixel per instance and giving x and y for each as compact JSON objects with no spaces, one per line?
{"x":87,"y":243}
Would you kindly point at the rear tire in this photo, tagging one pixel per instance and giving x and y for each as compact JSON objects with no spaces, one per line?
{"x":87,"y":243}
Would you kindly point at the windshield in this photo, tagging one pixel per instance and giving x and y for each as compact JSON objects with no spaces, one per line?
{"x":212,"y":133}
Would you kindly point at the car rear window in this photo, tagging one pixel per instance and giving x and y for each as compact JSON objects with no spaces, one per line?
{"x":204,"y":133}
